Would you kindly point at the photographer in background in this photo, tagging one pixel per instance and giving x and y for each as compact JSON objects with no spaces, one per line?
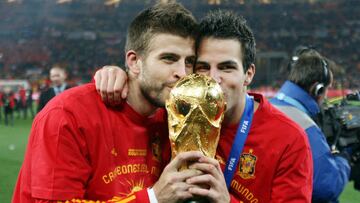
{"x":300,"y":98}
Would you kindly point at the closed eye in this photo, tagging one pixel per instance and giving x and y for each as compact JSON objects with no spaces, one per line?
{"x":201,"y":67}
{"x":228,"y":66}
{"x":169,"y":58}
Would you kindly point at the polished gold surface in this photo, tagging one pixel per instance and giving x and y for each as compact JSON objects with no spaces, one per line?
{"x":195,"y":110}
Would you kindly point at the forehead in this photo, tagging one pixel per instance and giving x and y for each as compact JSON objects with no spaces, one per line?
{"x":56,"y":71}
{"x":170,"y":43}
{"x":218,"y":50}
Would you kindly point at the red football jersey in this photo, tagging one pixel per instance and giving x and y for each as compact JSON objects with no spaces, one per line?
{"x":276,"y":163}
{"x":80,"y":148}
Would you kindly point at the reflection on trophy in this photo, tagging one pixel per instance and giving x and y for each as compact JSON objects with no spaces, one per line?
{"x":195,"y":110}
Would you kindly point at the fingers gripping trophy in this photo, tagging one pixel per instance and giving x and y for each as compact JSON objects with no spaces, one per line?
{"x":195,"y":111}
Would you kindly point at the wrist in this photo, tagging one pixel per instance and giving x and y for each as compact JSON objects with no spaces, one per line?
{"x":152,"y":196}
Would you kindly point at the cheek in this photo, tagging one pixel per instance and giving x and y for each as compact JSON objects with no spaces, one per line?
{"x":326,"y":91}
{"x":160,"y":72}
{"x":203,"y":73}
{"x":232,"y":85}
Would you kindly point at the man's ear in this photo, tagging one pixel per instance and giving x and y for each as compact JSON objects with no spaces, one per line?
{"x":133,"y":62}
{"x":249,"y":75}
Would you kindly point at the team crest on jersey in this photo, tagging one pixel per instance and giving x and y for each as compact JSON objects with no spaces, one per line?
{"x":247,"y":165}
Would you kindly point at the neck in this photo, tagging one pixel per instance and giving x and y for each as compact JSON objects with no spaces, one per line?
{"x":138,"y":102}
{"x":233,"y":116}
{"x":58,"y":86}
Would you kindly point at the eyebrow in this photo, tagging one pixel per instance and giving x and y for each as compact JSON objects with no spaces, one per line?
{"x":230,"y":62}
{"x":169,"y":54}
{"x":191,"y":57}
{"x":201,"y":62}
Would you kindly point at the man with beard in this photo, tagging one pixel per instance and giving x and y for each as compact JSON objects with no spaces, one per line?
{"x":275,"y":164}
{"x":80,"y":148}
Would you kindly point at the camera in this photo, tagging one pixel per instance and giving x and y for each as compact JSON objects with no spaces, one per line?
{"x":340,"y":122}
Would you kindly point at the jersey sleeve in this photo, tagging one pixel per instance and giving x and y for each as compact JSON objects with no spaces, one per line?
{"x":59,"y":167}
{"x":293,"y":179}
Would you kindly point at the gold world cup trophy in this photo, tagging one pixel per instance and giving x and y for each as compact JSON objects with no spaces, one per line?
{"x":195,"y":111}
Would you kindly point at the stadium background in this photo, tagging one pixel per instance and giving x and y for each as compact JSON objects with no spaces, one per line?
{"x":83,"y":35}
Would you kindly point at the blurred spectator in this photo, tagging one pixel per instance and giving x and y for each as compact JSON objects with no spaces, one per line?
{"x":29,"y":103}
{"x":21,"y":103}
{"x":1,"y":104}
{"x":9,"y":105}
{"x":58,"y":76}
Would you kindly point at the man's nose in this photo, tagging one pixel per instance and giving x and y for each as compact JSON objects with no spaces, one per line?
{"x":214,"y":73}
{"x":180,"y":71}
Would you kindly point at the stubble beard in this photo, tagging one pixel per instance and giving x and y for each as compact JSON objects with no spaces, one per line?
{"x":153,"y":95}
{"x":152,"y":91}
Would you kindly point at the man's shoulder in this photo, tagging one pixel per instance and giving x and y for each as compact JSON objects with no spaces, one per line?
{"x":87,"y":89}
{"x":83,"y":96}
{"x":296,"y":115}
{"x":279,"y":121}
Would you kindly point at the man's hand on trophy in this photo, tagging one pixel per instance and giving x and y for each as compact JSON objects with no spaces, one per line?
{"x":172,"y":186}
{"x":213,"y":177}
{"x":111,"y":83}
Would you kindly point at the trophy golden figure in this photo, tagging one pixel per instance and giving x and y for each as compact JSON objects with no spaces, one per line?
{"x":195,"y":111}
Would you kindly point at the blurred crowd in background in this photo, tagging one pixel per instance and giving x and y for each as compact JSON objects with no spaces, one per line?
{"x":84,"y":35}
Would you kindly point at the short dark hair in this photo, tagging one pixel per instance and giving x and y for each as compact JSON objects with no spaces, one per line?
{"x":59,"y":66}
{"x":228,"y":25}
{"x":309,"y":69}
{"x":169,"y":18}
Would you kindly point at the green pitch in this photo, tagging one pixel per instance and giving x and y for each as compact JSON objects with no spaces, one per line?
{"x":13,"y":141}
{"x":12,"y":147}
